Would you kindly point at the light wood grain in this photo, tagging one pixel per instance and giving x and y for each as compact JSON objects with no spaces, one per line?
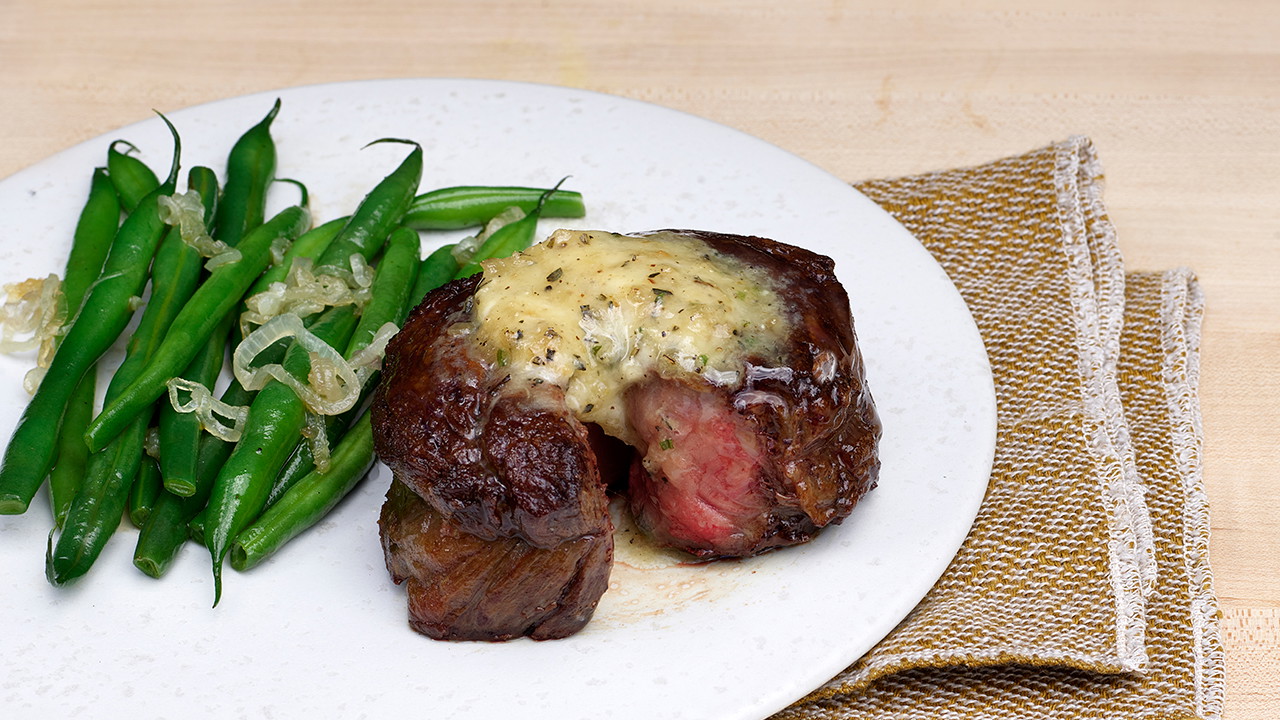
{"x":1181,"y":98}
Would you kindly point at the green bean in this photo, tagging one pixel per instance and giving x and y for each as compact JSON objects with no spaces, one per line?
{"x":104,"y":313}
{"x":454,"y":208}
{"x":95,"y":229}
{"x":68,"y":469}
{"x":179,"y":433}
{"x":196,"y":323}
{"x":196,"y":526}
{"x":303,"y":459}
{"x":146,"y":490}
{"x":389,"y":293}
{"x":388,"y":303}
{"x":168,"y":526}
{"x":162,"y":535}
{"x":508,"y":239}
{"x":175,"y":272}
{"x":309,"y":245}
{"x":234,"y":395}
{"x":95,"y":511}
{"x":375,"y":217}
{"x":205,"y":182}
{"x":251,"y":166}
{"x":214,"y":452}
{"x":275,"y":421}
{"x":438,"y":269}
{"x":131,"y":177}
{"x":309,"y":501}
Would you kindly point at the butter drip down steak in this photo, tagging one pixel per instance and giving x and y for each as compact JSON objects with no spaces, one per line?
{"x":727,"y":367}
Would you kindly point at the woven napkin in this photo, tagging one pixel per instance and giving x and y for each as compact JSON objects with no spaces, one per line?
{"x":1083,"y":589}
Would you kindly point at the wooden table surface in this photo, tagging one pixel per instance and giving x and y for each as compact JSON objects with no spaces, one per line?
{"x":1181,"y":98}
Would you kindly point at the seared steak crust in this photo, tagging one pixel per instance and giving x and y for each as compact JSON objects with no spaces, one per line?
{"x":499,"y":461}
{"x":462,"y":587}
{"x":510,"y":482}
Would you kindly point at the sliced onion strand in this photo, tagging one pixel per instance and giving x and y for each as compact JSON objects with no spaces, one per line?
{"x":340,"y":387}
{"x":208,"y":409}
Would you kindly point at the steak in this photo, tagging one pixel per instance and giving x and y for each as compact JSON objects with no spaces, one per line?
{"x":464,"y":587}
{"x":728,"y":365}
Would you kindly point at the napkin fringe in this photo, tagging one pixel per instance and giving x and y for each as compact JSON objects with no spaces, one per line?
{"x":1182,"y":308}
{"x":1096,"y":277}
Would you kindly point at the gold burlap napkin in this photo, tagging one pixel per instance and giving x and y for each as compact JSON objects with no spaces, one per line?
{"x":1083,"y":589}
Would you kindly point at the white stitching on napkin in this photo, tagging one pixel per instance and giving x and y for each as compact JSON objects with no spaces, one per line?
{"x":1182,"y":308}
{"x":1097,"y":283}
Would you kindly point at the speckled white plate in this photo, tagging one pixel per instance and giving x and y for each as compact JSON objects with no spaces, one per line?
{"x":320,"y":631}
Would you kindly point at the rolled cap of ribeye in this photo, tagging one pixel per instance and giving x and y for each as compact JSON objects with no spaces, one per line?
{"x":729,"y":364}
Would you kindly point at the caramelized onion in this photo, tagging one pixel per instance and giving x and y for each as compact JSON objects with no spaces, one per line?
{"x":333,"y":386}
{"x":31,"y":319}
{"x":318,"y":438}
{"x":208,"y":409}
{"x":186,"y":212}
{"x":466,"y":247}
{"x":304,"y":293}
{"x":369,"y":359}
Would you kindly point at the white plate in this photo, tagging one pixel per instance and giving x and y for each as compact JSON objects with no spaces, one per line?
{"x":320,"y":631}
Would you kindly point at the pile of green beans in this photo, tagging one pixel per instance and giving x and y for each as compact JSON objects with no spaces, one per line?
{"x":138,"y":457}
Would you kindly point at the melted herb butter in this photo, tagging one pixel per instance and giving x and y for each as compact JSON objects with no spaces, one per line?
{"x":594,"y":312}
